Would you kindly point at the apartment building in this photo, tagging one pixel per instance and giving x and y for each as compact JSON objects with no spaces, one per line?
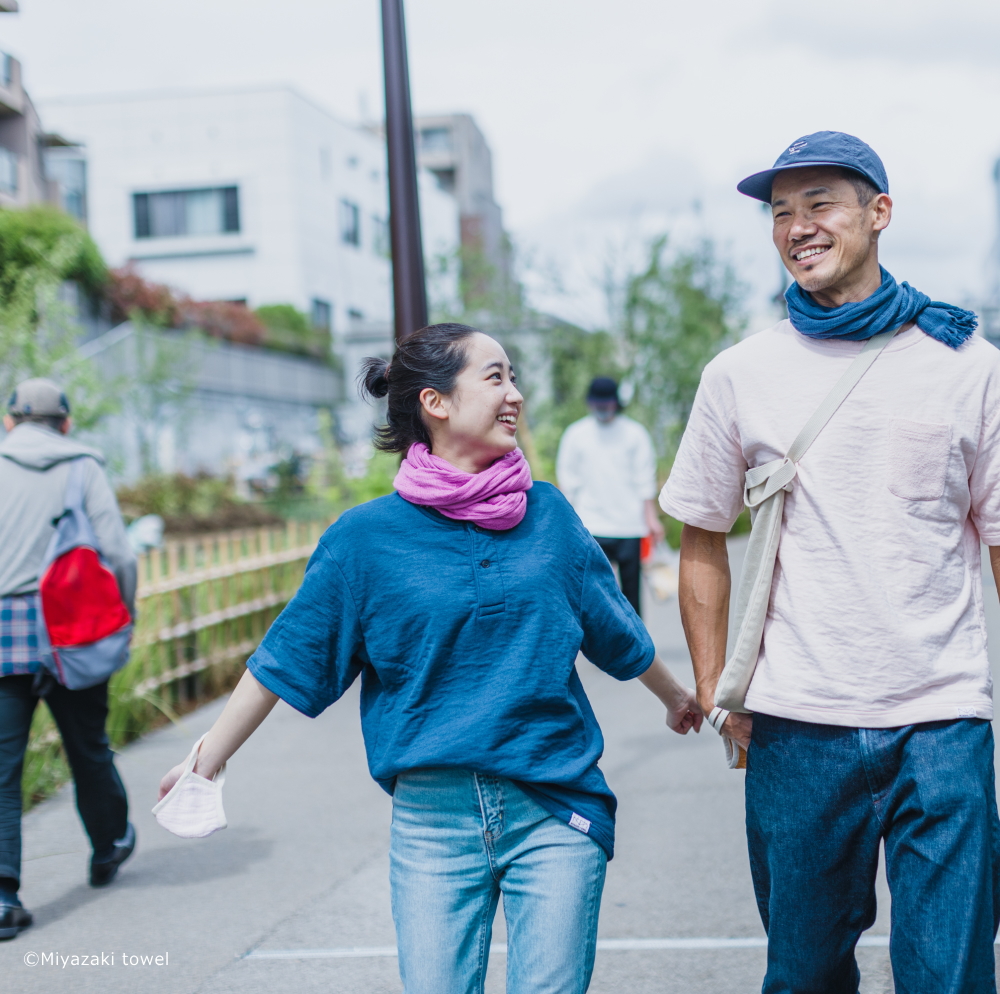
{"x":452,"y":147}
{"x":23,"y":180}
{"x":253,"y":194}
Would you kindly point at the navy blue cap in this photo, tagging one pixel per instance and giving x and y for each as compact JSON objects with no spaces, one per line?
{"x":603,"y":388}
{"x":824,"y":148}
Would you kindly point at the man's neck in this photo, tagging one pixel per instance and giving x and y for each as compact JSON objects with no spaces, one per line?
{"x":859,"y":285}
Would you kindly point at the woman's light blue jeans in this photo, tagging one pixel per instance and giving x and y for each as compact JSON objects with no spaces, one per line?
{"x":459,"y":841}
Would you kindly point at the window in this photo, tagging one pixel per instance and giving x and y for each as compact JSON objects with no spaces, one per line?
{"x":8,"y":171}
{"x":350,"y":223}
{"x":355,"y":316}
{"x":381,"y":244}
{"x":67,"y":167}
{"x":321,"y":314}
{"x":176,"y":213}
{"x":445,"y":179}
{"x":435,"y":139}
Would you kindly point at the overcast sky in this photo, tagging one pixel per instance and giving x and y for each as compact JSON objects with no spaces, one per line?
{"x":609,"y":121}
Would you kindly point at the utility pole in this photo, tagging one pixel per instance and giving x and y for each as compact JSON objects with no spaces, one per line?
{"x":409,"y":288}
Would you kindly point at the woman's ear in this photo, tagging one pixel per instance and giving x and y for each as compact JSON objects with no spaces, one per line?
{"x":433,"y":403}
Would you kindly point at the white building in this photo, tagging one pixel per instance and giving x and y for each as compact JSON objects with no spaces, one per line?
{"x":452,"y":147}
{"x":252,"y":194}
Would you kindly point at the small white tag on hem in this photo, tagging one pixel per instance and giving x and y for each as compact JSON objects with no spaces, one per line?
{"x":580,"y":823}
{"x":966,"y":711}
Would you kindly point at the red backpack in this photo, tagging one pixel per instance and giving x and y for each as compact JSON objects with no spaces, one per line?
{"x":89,"y":628}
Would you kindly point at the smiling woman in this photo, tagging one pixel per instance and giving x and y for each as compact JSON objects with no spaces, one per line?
{"x":462,"y":601}
{"x":453,"y":390}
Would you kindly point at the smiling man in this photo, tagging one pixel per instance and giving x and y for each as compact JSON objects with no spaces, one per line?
{"x":868,"y":714}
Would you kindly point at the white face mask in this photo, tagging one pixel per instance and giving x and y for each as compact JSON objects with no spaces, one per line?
{"x":193,"y":807}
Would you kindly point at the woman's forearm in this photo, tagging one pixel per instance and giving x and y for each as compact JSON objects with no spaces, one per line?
{"x":664,"y":684}
{"x":249,"y":704}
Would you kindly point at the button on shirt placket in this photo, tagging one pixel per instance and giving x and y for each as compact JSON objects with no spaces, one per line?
{"x":488,"y":575}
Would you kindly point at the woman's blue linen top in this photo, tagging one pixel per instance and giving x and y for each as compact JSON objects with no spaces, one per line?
{"x":466,"y":641}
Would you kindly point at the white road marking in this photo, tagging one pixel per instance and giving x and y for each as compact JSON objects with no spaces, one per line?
{"x":603,"y":945}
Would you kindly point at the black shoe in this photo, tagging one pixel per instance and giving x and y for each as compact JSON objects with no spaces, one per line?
{"x":12,"y":918}
{"x":104,"y":872}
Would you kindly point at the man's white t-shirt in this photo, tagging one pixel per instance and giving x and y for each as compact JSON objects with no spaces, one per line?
{"x":607,"y":471}
{"x":876,"y":613}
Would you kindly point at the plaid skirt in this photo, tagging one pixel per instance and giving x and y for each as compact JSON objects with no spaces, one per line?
{"x":19,"y":618}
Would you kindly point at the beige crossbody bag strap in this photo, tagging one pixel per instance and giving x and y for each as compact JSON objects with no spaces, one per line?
{"x":765,"y":496}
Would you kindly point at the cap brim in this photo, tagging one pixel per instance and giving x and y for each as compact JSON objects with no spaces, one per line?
{"x":758,"y":185}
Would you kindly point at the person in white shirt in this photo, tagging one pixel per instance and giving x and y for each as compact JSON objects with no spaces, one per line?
{"x":607,"y":469}
{"x":871,"y":699}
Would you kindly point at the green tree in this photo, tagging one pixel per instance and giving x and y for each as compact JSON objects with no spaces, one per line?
{"x":157,"y":380}
{"x":677,"y":313}
{"x":41,"y":248}
{"x":576,"y":356}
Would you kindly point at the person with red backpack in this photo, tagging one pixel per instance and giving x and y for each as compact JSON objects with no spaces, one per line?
{"x":67,"y":595}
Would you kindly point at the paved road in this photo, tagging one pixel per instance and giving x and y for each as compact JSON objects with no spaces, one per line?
{"x":303,"y":866}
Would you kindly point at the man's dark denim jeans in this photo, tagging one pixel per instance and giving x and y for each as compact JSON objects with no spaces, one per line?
{"x":820,"y":798}
{"x":100,"y":795}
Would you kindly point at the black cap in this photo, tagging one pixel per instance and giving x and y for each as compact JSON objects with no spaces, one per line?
{"x":603,"y":388}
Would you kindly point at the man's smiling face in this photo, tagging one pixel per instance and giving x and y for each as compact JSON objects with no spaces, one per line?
{"x":826,"y":238}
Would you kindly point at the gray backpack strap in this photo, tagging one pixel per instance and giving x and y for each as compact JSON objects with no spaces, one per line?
{"x":765,"y":496}
{"x":75,"y":484}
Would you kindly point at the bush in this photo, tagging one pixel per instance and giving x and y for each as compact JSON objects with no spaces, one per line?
{"x":225,"y":319}
{"x":133,"y":297}
{"x":289,"y":330}
{"x":43,"y":237}
{"x":192,"y":504}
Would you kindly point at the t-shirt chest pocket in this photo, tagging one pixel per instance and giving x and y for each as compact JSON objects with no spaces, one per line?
{"x":918,"y":459}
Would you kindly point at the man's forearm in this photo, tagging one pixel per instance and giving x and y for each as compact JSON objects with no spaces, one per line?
{"x":995,"y":564}
{"x":704,"y":601}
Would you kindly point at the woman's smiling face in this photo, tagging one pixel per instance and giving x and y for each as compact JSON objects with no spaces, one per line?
{"x":475,"y":424}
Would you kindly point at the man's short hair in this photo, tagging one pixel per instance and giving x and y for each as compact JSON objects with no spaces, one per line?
{"x":54,"y":421}
{"x":863,"y":186}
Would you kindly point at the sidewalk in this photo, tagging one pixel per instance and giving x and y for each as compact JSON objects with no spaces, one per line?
{"x":303,"y":867}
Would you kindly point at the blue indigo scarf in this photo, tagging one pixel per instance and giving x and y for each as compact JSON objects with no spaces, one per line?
{"x":891,"y":305}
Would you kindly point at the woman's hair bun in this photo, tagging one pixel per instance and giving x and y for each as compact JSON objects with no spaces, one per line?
{"x":373,"y":380}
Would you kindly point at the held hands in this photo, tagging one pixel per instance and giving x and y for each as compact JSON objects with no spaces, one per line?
{"x":685,"y":713}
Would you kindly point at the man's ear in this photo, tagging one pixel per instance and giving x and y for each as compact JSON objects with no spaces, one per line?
{"x":882,"y":210}
{"x":66,"y":425}
{"x":433,"y":403}
{"x":8,"y":423}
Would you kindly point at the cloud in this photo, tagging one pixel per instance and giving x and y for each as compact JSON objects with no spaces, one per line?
{"x":962,"y":33}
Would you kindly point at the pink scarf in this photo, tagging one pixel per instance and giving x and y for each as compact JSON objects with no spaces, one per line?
{"x":496,"y":498}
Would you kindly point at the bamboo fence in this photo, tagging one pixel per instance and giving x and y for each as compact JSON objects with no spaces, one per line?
{"x":203,"y":605}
